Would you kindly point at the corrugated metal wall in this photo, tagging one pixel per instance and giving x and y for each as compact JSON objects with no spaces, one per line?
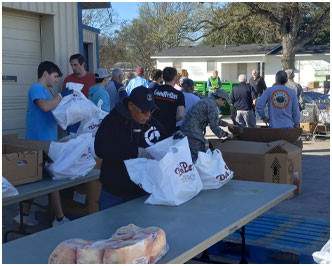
{"x":65,"y":23}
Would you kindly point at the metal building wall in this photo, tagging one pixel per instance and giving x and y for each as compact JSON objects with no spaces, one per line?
{"x":60,"y":19}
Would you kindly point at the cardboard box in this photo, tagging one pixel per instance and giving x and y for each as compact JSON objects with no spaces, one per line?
{"x":308,"y":127}
{"x":267,"y":134}
{"x":274,"y":162}
{"x":23,"y":160}
{"x":21,"y":165}
{"x":81,"y":200}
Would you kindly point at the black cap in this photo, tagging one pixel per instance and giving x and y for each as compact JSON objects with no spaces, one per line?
{"x":142,"y":97}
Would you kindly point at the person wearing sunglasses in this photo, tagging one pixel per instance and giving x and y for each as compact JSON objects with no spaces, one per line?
{"x":121,"y":136}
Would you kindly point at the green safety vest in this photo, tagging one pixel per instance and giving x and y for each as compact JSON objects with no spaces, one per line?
{"x":214,"y":82}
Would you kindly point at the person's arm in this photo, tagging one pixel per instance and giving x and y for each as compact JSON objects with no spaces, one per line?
{"x":261,"y":103}
{"x":106,"y":101}
{"x":48,"y":105}
{"x":38,"y":97}
{"x":296,"y":111}
{"x":213,"y":119}
{"x":219,"y":83}
{"x":209,"y":86}
{"x":110,"y":145}
{"x":180,"y":111}
{"x":232,"y":98}
{"x":263,"y":84}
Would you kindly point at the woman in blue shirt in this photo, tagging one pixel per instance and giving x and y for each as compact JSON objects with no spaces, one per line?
{"x":97,"y":93}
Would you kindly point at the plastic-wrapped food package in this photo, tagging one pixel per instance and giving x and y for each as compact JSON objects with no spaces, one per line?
{"x":129,"y":245}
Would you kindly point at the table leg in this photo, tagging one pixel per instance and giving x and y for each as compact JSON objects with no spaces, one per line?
{"x":21,"y":229}
{"x":243,"y":246}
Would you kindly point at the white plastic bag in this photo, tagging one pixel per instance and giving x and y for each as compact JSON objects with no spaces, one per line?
{"x":323,"y":256}
{"x":140,"y":170}
{"x":73,"y":158}
{"x":8,"y":190}
{"x":173,"y":180}
{"x":74,"y":86}
{"x":159,"y":150}
{"x":212,"y":169}
{"x":74,"y":108}
{"x":92,"y":124}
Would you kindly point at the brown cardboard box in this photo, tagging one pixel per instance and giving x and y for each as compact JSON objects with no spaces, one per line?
{"x":265,"y":162}
{"x":82,"y":200}
{"x":308,"y":127}
{"x":23,"y":160}
{"x":267,"y":134}
{"x":21,"y":165}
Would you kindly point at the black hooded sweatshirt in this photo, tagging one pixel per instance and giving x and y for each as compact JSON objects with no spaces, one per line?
{"x":117,"y":140}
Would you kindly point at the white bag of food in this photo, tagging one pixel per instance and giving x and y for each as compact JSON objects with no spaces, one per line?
{"x":323,"y":256}
{"x":173,"y":180}
{"x":74,"y":108}
{"x":8,"y":190}
{"x":92,"y":124}
{"x":212,"y":169}
{"x":159,"y":150}
{"x":73,"y":158}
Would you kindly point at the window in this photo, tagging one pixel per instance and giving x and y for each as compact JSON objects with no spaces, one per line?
{"x":241,"y":69}
{"x":211,"y":66}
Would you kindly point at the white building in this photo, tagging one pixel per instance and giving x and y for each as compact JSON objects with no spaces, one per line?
{"x":33,"y":32}
{"x":312,"y":63}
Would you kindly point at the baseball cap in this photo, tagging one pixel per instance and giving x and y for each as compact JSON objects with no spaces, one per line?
{"x":139,"y":70}
{"x":102,"y":73}
{"x":219,"y":93}
{"x":142,"y":97}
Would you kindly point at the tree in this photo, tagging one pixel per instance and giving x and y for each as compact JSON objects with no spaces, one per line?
{"x":294,"y":24}
{"x":159,"y":26}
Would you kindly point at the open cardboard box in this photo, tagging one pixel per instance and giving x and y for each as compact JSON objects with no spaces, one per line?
{"x":274,"y":162}
{"x":22,"y":160}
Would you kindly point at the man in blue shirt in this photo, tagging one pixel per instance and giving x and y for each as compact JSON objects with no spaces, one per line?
{"x":138,"y":81}
{"x":115,"y":88}
{"x":282,"y":103}
{"x":41,"y":125}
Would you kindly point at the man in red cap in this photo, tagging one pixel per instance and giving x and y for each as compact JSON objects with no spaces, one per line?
{"x":138,"y":81}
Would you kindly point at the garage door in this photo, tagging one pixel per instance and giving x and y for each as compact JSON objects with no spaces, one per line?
{"x":21,"y":54}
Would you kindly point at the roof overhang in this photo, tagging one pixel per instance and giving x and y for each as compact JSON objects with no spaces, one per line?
{"x":207,"y":56}
{"x":95,"y":5}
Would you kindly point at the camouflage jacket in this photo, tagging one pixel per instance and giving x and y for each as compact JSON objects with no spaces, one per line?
{"x":202,"y":114}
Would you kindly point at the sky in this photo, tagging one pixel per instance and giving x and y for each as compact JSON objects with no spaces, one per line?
{"x":126,"y":10}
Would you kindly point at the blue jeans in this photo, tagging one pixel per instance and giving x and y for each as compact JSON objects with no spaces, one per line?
{"x":107,"y":200}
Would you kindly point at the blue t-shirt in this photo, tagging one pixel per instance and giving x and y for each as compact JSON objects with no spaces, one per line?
{"x":98,"y":93}
{"x":40,"y":125}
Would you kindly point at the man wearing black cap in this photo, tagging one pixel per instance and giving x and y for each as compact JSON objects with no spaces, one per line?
{"x":128,"y":128}
{"x":204,"y":113}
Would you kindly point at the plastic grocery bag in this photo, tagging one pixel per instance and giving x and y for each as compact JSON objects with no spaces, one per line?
{"x":159,"y":150}
{"x":73,"y":158}
{"x":8,"y":190}
{"x":74,"y":86}
{"x":140,"y":170}
{"x":92,"y":124}
{"x":172,"y":180}
{"x":323,"y":256}
{"x":212,"y":169}
{"x":74,"y":108}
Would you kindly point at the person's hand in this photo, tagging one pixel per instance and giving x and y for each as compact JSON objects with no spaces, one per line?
{"x":265,"y":120}
{"x":178,"y":135}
